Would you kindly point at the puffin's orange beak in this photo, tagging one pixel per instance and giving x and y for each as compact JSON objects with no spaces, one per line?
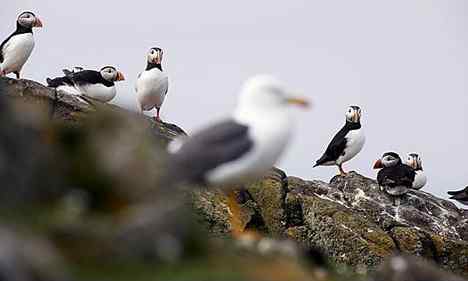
{"x":120,"y":76}
{"x":378,"y":164}
{"x":38,"y":23}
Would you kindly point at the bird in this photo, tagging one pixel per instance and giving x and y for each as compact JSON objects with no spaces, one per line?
{"x":16,"y":49}
{"x":241,"y":148}
{"x":461,"y":196}
{"x":347,"y":143}
{"x":394,"y":177}
{"x":152,"y":84}
{"x":75,"y":69}
{"x":244,"y":146}
{"x":414,"y":161}
{"x":97,"y":85}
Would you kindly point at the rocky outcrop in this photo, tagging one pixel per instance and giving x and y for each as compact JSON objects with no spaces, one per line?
{"x":81,"y":200}
{"x":349,"y":219}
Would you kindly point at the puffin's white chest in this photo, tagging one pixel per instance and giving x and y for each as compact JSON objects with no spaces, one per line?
{"x":152,"y":86}
{"x":17,"y":51}
{"x":354,"y":144}
{"x":98,"y":92}
{"x":420,"y":180}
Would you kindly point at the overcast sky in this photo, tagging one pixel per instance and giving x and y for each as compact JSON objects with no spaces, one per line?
{"x":403,"y":61}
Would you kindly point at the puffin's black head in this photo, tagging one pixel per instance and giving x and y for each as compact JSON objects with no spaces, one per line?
{"x":353,"y":114}
{"x":414,"y":161}
{"x":29,"y":20}
{"x":111,"y":74}
{"x":155,"y":56}
{"x":389,"y":159}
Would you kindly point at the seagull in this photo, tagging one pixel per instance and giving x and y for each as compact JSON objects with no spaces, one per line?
{"x":243,"y":147}
{"x":98,"y":85}
{"x":16,"y":49}
{"x":414,"y":161}
{"x":394,"y":177}
{"x":152,"y":84}
{"x":347,"y":143}
{"x":461,"y":196}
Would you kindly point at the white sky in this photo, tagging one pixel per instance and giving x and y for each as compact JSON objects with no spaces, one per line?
{"x":403,"y":61}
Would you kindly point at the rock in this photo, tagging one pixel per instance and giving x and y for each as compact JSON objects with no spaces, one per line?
{"x":354,"y":223}
{"x":411,"y":269}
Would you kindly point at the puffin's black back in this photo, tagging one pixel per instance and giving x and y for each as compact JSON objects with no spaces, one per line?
{"x":89,"y":77}
{"x":338,"y":144}
{"x":399,"y":175}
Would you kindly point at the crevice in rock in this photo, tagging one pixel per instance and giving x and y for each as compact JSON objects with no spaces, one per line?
{"x":428,"y":244}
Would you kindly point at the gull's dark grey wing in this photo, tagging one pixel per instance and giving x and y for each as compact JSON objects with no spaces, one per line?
{"x":218,"y":144}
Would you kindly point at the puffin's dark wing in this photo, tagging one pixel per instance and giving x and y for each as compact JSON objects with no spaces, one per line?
{"x":2,"y":58}
{"x":59,"y":81}
{"x":460,"y":196}
{"x":221,"y":143}
{"x":86,"y":77}
{"x":465,"y":190}
{"x":400,"y":175}
{"x":335,"y":149}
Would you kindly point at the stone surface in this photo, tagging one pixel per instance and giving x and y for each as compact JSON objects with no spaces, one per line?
{"x":354,"y":223}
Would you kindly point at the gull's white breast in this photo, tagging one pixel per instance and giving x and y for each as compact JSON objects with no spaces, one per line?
{"x":151,"y":88}
{"x":17,"y":51}
{"x":270,"y":134}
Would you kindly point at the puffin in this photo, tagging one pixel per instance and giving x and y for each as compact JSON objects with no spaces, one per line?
{"x":414,"y":161}
{"x":347,"y":143}
{"x":16,"y":49}
{"x":394,"y":177}
{"x":152,"y":84}
{"x":461,"y":196}
{"x":97,"y":85}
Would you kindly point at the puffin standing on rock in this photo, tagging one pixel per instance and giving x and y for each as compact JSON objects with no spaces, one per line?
{"x":461,"y":196}
{"x":347,"y":143}
{"x":414,"y":161}
{"x":97,"y":85}
{"x":152,"y":84}
{"x":16,"y":49}
{"x":394,"y":177}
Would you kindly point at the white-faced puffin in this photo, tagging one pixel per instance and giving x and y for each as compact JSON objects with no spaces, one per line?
{"x":461,"y":196}
{"x":98,"y":85}
{"x":347,"y":143}
{"x":394,"y":177}
{"x":152,"y":84}
{"x":414,"y":161}
{"x":16,"y":49}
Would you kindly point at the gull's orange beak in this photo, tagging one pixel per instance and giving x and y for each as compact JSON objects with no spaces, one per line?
{"x":378,"y":164}
{"x":38,"y":22}
{"x":298,"y":101}
{"x":120,"y":76}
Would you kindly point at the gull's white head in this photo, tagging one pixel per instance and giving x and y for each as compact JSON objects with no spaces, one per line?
{"x":265,"y":93}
